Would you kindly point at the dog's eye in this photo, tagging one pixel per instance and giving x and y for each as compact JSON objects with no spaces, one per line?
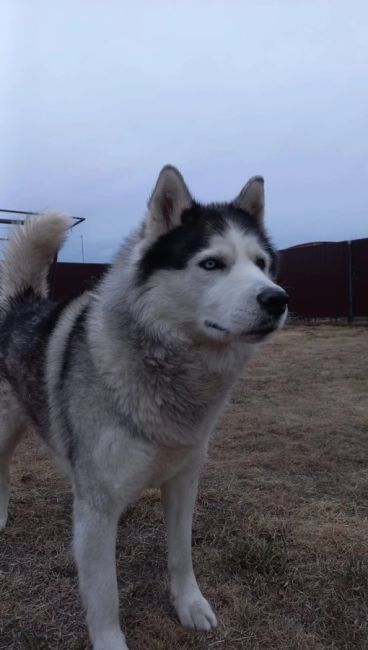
{"x":211,"y":264}
{"x":260,"y":262}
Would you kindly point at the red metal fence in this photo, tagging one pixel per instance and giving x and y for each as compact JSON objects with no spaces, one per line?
{"x":325,"y":280}
{"x":359,"y":272}
{"x":69,"y":279}
{"x":328,"y":280}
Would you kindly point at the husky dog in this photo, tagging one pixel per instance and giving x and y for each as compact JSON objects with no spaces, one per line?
{"x":125,"y":383}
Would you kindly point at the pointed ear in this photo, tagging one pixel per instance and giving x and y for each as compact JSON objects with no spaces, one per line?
{"x":167,"y":202}
{"x":251,"y":198}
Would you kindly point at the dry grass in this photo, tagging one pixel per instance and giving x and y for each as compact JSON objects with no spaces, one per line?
{"x":281,"y":529}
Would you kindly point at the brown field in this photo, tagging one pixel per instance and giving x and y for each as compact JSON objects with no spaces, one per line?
{"x":281,"y":527}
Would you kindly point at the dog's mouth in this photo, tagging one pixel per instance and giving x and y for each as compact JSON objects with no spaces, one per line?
{"x":216,"y":326}
{"x":253,"y":335}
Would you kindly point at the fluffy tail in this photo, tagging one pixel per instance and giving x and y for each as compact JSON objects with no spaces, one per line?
{"x":29,"y":254}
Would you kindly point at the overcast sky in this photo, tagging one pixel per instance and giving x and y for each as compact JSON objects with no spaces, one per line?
{"x":98,"y":94}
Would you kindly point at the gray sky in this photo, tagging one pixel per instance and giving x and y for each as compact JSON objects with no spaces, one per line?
{"x":99,"y":94}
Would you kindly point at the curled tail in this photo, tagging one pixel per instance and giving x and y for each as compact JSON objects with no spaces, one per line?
{"x":29,"y":254}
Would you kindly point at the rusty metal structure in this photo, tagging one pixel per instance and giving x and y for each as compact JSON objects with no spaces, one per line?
{"x":13,"y":220}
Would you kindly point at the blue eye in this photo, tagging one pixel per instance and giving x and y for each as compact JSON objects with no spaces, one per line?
{"x":211,"y":264}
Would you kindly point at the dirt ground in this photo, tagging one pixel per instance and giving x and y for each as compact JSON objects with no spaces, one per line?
{"x":281,"y":526}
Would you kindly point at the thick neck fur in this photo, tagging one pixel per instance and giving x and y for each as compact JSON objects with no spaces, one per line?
{"x":179,"y":385}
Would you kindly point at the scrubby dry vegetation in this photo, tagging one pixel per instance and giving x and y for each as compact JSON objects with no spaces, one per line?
{"x":281,"y":527}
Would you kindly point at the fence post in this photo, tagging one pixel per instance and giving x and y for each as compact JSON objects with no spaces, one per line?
{"x":350,"y":283}
{"x":51,"y":277}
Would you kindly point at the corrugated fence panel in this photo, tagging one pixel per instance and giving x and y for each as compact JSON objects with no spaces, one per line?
{"x":359,"y":255}
{"x":316,"y":278}
{"x":70,"y":279}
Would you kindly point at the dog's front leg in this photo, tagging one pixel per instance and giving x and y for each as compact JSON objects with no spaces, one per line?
{"x":178,"y":496}
{"x":94,"y":550}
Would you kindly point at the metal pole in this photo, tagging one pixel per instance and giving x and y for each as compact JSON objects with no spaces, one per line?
{"x":350,"y":283}
{"x":82,"y":248}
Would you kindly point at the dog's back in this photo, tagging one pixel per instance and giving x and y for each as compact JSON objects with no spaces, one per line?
{"x":24,"y":333}
{"x":27,"y":316}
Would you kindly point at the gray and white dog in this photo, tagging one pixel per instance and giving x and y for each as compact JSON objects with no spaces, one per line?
{"x":125,"y":383}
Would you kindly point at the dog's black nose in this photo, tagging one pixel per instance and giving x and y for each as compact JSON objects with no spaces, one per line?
{"x":274,"y":301}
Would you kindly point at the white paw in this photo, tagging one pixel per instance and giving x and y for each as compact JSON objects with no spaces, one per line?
{"x":110,"y":640}
{"x":195,"y":612}
{"x":117,"y":646}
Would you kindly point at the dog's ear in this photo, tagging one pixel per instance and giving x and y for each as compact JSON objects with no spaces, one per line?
{"x":167,"y":202}
{"x":251,"y":198}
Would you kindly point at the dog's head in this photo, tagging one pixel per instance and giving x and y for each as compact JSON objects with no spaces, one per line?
{"x":208,"y":270}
